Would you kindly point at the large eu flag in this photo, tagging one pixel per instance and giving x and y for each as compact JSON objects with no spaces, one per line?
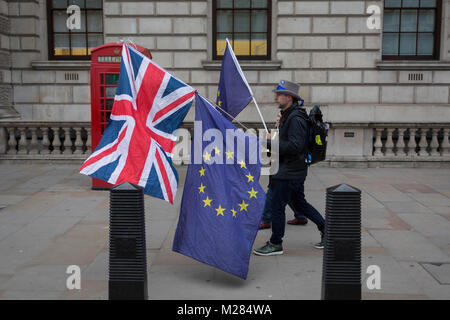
{"x":222,"y":199}
{"x":234,"y":93}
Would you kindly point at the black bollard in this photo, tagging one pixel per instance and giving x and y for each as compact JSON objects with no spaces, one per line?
{"x":341,"y":273}
{"x":127,"y":249}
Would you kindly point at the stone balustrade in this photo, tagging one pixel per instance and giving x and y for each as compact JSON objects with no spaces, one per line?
{"x":411,"y":141}
{"x":427,"y":142}
{"x":45,"y":140}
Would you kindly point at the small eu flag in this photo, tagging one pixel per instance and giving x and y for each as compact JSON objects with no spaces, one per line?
{"x":234,"y":93}
{"x":222,"y":199}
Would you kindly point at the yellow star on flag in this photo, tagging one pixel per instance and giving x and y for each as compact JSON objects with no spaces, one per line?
{"x":243,"y":205}
{"x":207,"y":202}
{"x":220,"y":210}
{"x":207,"y":156}
{"x":201,"y":188}
{"x":217,"y":150}
{"x":253,"y":193}
{"x":250,"y":177}
{"x":242,"y":163}
{"x":202,"y":172}
{"x":233,"y":212}
{"x":229,"y":154}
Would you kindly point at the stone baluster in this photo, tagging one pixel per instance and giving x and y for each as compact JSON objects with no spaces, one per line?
{"x":389,"y":143}
{"x":446,"y":143}
{"x":23,"y":141}
{"x":88,"y":141}
{"x":423,"y":143}
{"x":12,"y":142}
{"x":378,"y":144}
{"x":45,"y":141}
{"x":78,"y":142}
{"x":56,"y":141}
{"x":434,"y":142}
{"x":410,"y":144}
{"x":34,"y":146}
{"x":401,"y":142}
{"x":3,"y":140}
{"x":67,"y":144}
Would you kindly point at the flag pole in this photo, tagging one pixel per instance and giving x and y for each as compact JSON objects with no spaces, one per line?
{"x":243,"y":77}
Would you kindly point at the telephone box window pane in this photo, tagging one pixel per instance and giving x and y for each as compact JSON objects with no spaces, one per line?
{"x":59,"y":21}
{"x":59,"y":4}
{"x":102,"y":79}
{"x":109,"y":104}
{"x":410,"y":3}
{"x":79,"y":3}
{"x":111,"y":79}
{"x":108,"y":115}
{"x":426,"y":21}
{"x":94,"y":4}
{"x":242,"y":44}
{"x":390,"y":44}
{"x":225,"y":4}
{"x":259,"y":21}
{"x":225,"y":21}
{"x":241,"y":3}
{"x":259,"y":3}
{"x":425,"y":44}
{"x":259,"y":44}
{"x":393,"y":3}
{"x":110,"y":92}
{"x":61,"y":44}
{"x":409,"y":21}
{"x":242,"y":21}
{"x":428,"y":3}
{"x":95,"y":21}
{"x":391,"y":20}
{"x":408,"y":44}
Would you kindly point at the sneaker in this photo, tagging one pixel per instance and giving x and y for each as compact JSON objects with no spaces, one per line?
{"x":269,"y":249}
{"x":296,"y":221}
{"x":321,"y":244}
{"x":265,"y":225}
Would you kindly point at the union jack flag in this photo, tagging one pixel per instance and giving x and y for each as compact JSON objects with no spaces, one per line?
{"x":137,"y":145}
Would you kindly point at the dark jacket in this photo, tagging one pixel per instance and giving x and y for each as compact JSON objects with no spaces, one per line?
{"x":292,"y":143}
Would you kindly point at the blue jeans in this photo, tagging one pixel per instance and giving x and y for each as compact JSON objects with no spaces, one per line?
{"x":267,"y":214}
{"x":284,"y":191}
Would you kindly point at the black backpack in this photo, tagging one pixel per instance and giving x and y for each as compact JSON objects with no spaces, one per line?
{"x":317,"y":138}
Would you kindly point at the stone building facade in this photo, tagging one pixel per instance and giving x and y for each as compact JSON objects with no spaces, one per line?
{"x":324,"y":45}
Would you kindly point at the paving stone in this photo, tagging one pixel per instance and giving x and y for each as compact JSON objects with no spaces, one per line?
{"x":409,"y":246}
{"x":439,"y":271}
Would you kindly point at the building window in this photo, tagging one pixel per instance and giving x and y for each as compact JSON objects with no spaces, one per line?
{"x":411,"y":29}
{"x":69,"y":40}
{"x":246,"y":24}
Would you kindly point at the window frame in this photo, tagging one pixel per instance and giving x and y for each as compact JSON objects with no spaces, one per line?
{"x":268,"y":9}
{"x":437,"y":33}
{"x":51,"y":33}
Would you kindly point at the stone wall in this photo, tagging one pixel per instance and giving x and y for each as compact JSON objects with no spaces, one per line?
{"x":323,"y":45}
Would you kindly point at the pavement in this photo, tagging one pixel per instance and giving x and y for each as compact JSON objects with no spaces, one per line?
{"x":51,"y":219}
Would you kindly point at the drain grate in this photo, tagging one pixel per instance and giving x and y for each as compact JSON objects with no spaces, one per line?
{"x":439,"y":271}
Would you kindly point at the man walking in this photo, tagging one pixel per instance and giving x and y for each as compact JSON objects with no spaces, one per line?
{"x":287,"y":185}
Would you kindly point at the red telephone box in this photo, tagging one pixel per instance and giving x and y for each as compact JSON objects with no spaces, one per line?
{"x":105,"y":69}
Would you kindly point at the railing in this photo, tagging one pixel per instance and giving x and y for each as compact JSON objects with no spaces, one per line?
{"x":45,"y":140}
{"x":411,"y":141}
{"x":33,"y":140}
